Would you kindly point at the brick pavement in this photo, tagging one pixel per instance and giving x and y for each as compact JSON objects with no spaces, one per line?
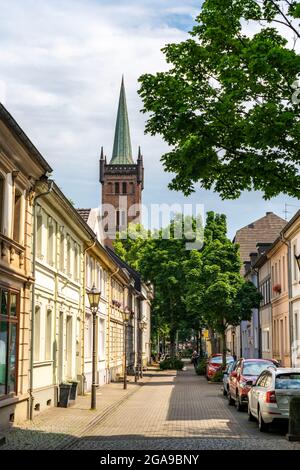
{"x":56,"y":428}
{"x":170,"y":411}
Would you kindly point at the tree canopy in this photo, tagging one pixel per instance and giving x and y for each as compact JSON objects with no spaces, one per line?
{"x":225,"y":105}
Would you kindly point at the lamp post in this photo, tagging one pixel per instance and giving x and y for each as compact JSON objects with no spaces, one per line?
{"x":94,"y":299}
{"x":233,"y":345}
{"x":142,"y":327}
{"x":126,"y":318}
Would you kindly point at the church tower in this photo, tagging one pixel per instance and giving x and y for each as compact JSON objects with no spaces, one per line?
{"x":122,"y":179}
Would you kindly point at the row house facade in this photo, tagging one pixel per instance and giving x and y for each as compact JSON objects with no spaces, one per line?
{"x":21,"y":168}
{"x":50,"y":259}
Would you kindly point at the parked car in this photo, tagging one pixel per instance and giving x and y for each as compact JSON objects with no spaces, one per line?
{"x":227,"y":372}
{"x":270,"y":395}
{"x":214,"y":365}
{"x":244,"y":371}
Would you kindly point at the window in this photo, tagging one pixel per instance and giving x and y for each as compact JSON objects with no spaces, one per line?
{"x":124,"y":187}
{"x":294,"y":263}
{"x":296,"y":327}
{"x":88,"y":336}
{"x":9,"y":308}
{"x":48,"y":336}
{"x":37,"y":333}
{"x":62,"y":252}
{"x":50,"y":247}
{"x":69,"y":345}
{"x":68,"y":255}
{"x":101,"y":340}
{"x":1,"y":202}
{"x":17,"y":216}
{"x":117,"y":219}
{"x":76,"y":262}
{"x":266,"y":339}
{"x":39,"y":234}
{"x":283,"y":273}
{"x":117,"y":188}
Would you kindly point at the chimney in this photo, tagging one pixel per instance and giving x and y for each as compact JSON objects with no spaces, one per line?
{"x":262,"y":248}
{"x":253,"y":257}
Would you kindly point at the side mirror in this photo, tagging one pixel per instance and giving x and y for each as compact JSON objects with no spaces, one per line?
{"x":249,"y":383}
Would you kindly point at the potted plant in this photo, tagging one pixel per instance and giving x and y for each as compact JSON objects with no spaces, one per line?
{"x":277,"y":288}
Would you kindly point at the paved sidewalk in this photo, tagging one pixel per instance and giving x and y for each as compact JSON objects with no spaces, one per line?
{"x":58,"y":428}
{"x":175,"y":412}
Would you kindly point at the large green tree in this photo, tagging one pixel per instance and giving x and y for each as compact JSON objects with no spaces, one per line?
{"x":215,"y":290}
{"x":225,"y":105}
{"x":160,"y":258}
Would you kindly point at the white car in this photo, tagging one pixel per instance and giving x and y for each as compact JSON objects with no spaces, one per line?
{"x":269,"y":397}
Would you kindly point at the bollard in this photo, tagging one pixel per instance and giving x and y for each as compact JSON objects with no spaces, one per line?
{"x":294,"y":420}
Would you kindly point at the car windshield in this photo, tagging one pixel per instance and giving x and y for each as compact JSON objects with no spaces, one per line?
{"x":288,"y":381}
{"x":255,"y":368}
{"x":219,"y":359}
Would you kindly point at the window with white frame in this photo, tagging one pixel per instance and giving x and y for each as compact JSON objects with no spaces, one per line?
{"x":39,"y":232}
{"x":37,"y":333}
{"x":88,"y":336}
{"x":50,"y":241}
{"x":69,"y":254}
{"x":266,"y":339}
{"x":48,"y":335}
{"x":76,"y":262}
{"x":101,"y":340}
{"x":62,"y":250}
{"x":17,"y":215}
{"x":294,"y":262}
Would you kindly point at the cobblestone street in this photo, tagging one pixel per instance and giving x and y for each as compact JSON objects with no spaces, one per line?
{"x":169,"y":411}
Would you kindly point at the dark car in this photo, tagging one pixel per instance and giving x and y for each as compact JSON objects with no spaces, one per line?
{"x":214,"y":365}
{"x":244,"y":372}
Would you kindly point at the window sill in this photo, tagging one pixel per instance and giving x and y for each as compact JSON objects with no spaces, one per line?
{"x":43,"y":363}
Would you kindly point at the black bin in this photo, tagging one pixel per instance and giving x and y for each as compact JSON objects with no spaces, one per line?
{"x":64,"y":395}
{"x":73,"y":392}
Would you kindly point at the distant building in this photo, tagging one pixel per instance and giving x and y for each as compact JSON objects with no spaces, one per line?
{"x":262,"y":231}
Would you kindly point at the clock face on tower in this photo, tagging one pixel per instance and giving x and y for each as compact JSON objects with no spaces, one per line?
{"x":121,"y":179}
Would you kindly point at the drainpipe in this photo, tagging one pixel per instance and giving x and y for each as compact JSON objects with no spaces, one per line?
{"x":31,"y":397}
{"x":290,"y":294}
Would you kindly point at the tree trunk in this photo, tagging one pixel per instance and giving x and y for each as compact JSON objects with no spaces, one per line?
{"x":224,"y":348}
{"x":173,"y":342}
{"x":200,"y":343}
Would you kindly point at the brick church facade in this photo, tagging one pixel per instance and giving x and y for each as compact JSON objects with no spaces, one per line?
{"x":122,"y":179}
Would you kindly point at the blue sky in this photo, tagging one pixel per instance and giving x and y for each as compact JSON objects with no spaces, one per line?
{"x":61,"y":63}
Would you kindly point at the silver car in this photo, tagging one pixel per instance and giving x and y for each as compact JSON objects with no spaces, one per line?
{"x":269,"y":397}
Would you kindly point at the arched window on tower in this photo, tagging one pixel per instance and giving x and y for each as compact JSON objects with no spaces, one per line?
{"x":117,"y":188}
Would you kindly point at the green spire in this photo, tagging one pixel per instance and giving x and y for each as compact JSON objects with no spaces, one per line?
{"x":122,"y":152}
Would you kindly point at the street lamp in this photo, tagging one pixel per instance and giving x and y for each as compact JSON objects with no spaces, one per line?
{"x":233,"y":345}
{"x":142,"y":327}
{"x":126,"y":317}
{"x":94,"y":299}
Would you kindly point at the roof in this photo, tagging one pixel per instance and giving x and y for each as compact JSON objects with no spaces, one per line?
{"x":264,"y":230}
{"x":84,"y":213}
{"x":20,"y":134}
{"x":122,"y":151}
{"x":134,"y":274}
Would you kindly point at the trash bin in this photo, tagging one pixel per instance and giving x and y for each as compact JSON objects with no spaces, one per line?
{"x":73,"y":392}
{"x":64,"y":395}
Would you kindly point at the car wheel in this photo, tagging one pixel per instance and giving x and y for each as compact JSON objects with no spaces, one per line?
{"x":250,"y":415}
{"x":262,"y":426}
{"x":238,"y":403}
{"x":230,"y":400}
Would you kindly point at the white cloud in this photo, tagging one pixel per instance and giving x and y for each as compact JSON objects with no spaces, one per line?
{"x":61,"y":63}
